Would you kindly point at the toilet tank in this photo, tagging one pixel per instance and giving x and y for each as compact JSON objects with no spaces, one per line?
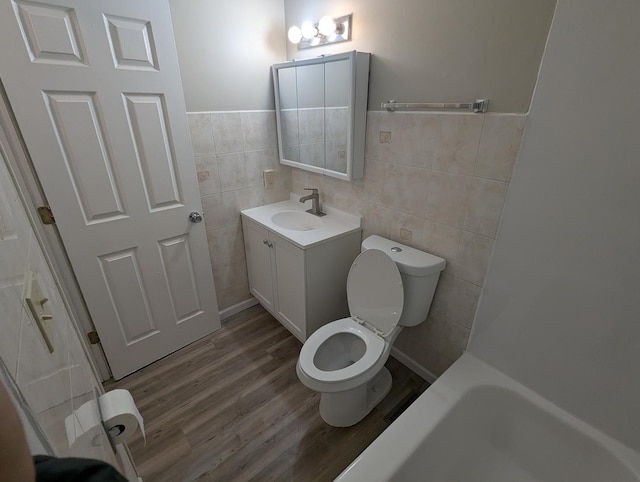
{"x":420,"y":272}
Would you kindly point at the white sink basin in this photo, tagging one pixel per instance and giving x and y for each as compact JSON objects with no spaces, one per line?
{"x":289,"y":220}
{"x":296,"y":220}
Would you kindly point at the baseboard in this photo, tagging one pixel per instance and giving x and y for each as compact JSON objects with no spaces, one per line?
{"x":237,"y":308}
{"x":413,"y":365}
{"x":395,"y":353}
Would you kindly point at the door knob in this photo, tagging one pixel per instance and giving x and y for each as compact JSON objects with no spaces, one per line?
{"x":195,"y":217}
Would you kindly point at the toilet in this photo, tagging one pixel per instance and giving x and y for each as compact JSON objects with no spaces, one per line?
{"x":389,"y":286}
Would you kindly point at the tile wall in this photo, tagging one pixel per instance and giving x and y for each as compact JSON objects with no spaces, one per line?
{"x":53,"y":384}
{"x":232,"y":149}
{"x":435,"y":181}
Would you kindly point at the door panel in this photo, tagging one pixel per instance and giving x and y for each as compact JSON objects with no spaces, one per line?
{"x":259,"y":263}
{"x":75,"y":120}
{"x":96,"y":90}
{"x":50,"y":33}
{"x":154,"y":152}
{"x":131,"y":42}
{"x":128,"y":295}
{"x":182,"y":282}
{"x":290,"y":288}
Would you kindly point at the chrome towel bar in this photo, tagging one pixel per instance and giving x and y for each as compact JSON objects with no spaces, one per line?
{"x":479,"y":106}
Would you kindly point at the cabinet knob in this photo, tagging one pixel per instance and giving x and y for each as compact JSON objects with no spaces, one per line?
{"x":264,"y":241}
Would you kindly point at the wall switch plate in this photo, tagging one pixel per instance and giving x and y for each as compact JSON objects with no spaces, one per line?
{"x":36,"y":302}
{"x":269,"y":177}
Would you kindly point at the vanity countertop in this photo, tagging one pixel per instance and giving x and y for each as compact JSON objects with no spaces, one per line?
{"x":336,"y":222}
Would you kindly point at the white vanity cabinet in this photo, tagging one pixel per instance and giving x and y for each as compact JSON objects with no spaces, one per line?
{"x":303,"y":287}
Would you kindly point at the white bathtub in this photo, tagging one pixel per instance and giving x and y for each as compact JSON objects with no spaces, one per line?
{"x":476,"y":424}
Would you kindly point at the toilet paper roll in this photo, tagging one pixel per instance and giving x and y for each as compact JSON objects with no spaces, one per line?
{"x":120,"y":416}
{"x":82,"y":425}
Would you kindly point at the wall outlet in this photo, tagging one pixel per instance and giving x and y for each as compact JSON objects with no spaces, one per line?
{"x":269,"y":177}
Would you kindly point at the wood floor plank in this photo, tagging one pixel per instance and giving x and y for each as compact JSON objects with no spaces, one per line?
{"x":230,"y":407}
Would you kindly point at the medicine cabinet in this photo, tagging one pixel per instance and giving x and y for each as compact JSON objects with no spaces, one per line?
{"x":321,"y":111}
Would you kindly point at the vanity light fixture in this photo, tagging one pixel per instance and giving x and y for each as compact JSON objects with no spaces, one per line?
{"x":327,"y":31}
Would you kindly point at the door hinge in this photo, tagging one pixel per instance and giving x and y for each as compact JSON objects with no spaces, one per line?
{"x":94,"y":339}
{"x":46,"y":215}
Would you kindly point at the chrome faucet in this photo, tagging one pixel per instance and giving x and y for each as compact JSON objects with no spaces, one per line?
{"x":315,"y":201}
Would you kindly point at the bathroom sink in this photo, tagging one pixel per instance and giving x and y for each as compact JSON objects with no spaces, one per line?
{"x":296,"y":220}
{"x":289,"y":220}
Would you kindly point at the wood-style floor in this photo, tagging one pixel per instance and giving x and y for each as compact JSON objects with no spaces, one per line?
{"x":230,"y":407}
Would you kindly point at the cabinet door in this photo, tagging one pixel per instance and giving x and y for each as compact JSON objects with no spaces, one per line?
{"x":259,"y":263}
{"x":290,"y":285}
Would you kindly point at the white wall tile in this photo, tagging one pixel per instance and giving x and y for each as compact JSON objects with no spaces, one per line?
{"x":229,"y":274}
{"x":448,"y":198}
{"x":455,"y":339}
{"x":441,"y":240}
{"x":208,"y":175}
{"x":225,"y":242}
{"x":407,"y":228}
{"x":499,"y":146}
{"x":379,"y":220}
{"x":462,"y":301}
{"x":256,"y":162}
{"x":233,"y":171}
{"x":259,"y":130}
{"x":232,"y":295}
{"x":213,"y":209}
{"x":441,"y":297}
{"x":472,"y":258}
{"x":227,"y":132}
{"x":236,"y":201}
{"x":411,"y":187}
{"x":458,"y":143}
{"x":484,"y":207}
{"x":201,"y":134}
{"x":403,"y":138}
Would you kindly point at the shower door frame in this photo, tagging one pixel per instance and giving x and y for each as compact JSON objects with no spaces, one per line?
{"x":32,"y":196}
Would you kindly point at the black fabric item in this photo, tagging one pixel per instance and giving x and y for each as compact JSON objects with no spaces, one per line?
{"x":52,"y":469}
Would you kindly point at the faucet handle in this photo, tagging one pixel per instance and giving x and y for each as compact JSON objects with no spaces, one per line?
{"x":314,"y":190}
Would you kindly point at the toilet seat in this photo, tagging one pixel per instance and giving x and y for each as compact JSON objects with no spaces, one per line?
{"x":374,"y":347}
{"x":374,"y":291}
{"x":376,"y":297}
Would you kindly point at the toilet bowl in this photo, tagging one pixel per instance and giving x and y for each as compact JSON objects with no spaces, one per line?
{"x":389,"y":286}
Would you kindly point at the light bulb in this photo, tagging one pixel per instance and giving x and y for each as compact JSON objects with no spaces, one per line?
{"x":294,"y":34}
{"x":308,"y":30}
{"x":327,"y":26}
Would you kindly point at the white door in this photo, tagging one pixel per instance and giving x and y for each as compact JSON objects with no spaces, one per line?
{"x":96,"y":91}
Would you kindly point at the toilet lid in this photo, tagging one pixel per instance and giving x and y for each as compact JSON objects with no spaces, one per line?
{"x":374,"y":290}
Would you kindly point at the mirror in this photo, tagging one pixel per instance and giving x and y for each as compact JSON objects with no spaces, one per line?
{"x":321,"y":108}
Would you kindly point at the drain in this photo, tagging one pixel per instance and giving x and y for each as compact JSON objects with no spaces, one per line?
{"x":396,"y":411}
